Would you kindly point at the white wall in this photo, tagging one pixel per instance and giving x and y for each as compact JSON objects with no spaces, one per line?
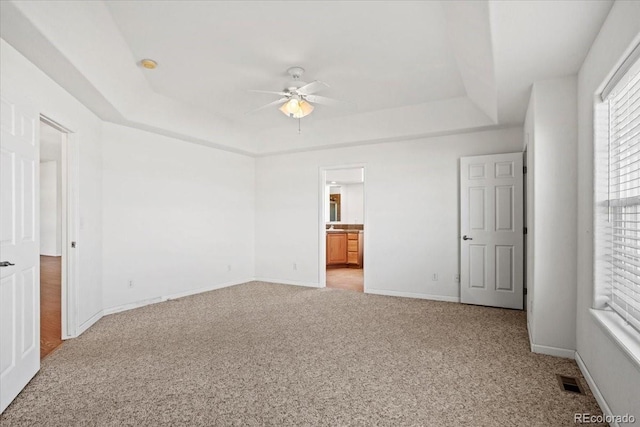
{"x":616,"y":376}
{"x":347,"y":175}
{"x":353,"y":203}
{"x":530,"y":223}
{"x":50,"y":201}
{"x":552,"y":134}
{"x":23,"y":78}
{"x":411,"y":228}
{"x":177,"y":216}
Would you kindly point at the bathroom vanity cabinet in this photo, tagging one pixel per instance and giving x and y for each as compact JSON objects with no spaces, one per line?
{"x":345,"y":248}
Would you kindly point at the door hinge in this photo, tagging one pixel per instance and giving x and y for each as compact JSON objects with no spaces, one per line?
{"x":73,"y":244}
{"x":524,"y":230}
{"x":524,"y":169}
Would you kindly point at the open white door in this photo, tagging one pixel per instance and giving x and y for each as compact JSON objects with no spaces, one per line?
{"x":491,"y":225}
{"x":19,"y":249}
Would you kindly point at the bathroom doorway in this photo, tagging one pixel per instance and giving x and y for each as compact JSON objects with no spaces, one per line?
{"x":342,"y":227}
{"x":53,"y":214}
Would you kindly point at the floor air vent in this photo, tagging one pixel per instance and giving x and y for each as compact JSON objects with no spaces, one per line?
{"x":569,"y":384}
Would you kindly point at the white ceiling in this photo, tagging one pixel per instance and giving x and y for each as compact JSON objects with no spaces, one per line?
{"x":211,"y":53}
{"x":412,"y":68}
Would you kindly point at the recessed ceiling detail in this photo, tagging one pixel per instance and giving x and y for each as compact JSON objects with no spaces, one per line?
{"x":413,"y":69}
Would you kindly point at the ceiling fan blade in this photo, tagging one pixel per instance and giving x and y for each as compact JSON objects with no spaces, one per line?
{"x":312,"y":87}
{"x":269,"y":91}
{"x":271,"y":104}
{"x":323,"y":100}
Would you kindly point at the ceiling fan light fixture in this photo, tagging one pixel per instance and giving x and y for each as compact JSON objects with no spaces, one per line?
{"x":296,"y":108}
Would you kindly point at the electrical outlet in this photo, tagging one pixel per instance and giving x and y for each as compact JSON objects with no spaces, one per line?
{"x":295,"y":266}
{"x":131,"y":283}
{"x":456,"y":277}
{"x":434,"y":277}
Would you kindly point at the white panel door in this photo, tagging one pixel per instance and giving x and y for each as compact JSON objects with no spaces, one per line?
{"x":491,"y":225}
{"x":19,"y":249}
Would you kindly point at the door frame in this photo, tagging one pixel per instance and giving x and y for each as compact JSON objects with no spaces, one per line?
{"x":525,"y":222}
{"x":70,"y":202}
{"x":322,"y":191}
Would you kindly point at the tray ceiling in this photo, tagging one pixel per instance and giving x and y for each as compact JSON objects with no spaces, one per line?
{"x":411,"y":68}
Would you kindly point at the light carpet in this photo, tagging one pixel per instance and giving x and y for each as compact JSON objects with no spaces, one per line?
{"x":267,"y":354}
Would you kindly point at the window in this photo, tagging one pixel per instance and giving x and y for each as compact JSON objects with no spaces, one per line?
{"x":618,"y":238}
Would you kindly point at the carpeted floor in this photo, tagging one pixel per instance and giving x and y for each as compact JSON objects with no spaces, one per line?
{"x":265,"y":354}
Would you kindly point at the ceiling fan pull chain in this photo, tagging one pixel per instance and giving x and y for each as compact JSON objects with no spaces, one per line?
{"x":299,"y":130}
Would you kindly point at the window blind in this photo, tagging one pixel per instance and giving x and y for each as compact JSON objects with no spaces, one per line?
{"x":624,"y":198}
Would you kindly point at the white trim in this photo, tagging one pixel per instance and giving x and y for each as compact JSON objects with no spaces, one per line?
{"x":594,"y":389}
{"x":626,"y":337}
{"x":402,"y":138}
{"x":206,"y":289}
{"x":322,"y":229}
{"x":57,"y":126}
{"x":132,"y":305}
{"x":412,"y":295}
{"x":89,"y":323}
{"x":621,"y":74}
{"x":138,"y":304}
{"x":548,"y":350}
{"x":69,"y":157}
{"x":72,"y":173}
{"x":288,"y":282}
{"x":552,"y":351}
{"x":66,"y":203}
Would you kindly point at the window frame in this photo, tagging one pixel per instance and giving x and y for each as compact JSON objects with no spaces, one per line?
{"x":612,"y":323}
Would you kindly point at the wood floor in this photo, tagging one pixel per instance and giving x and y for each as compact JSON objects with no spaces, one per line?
{"x":50,"y":304}
{"x":351,"y":279}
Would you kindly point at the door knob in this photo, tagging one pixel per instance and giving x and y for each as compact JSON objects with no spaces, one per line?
{"x":466,"y":238}
{"x":5,"y":264}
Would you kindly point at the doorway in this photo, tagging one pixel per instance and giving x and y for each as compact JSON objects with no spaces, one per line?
{"x":342,"y":228}
{"x":53,"y":214}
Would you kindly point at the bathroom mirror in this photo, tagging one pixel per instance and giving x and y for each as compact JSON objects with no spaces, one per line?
{"x":344,"y":196}
{"x":334,"y":204}
{"x":345,"y":204}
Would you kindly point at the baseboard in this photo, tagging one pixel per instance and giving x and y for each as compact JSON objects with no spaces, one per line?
{"x":138,"y":304}
{"x":411,"y":295}
{"x":288,"y":282}
{"x":552,"y":351}
{"x":132,"y":305}
{"x":206,"y":289}
{"x":594,"y":389}
{"x":89,"y":323}
{"x":548,"y":350}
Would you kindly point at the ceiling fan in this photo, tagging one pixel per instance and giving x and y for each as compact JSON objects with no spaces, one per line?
{"x":299,"y":96}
